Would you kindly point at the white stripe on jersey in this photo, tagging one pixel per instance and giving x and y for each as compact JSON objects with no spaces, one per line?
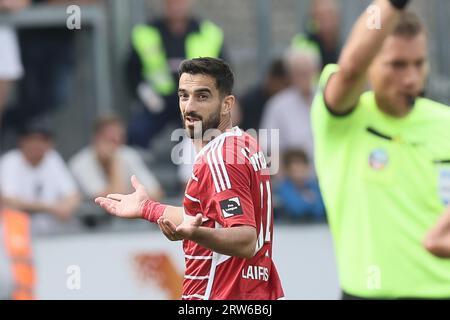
{"x":260,"y":240}
{"x":224,"y":169}
{"x":214,"y":153}
{"x":217,"y":165}
{"x":212,"y":271}
{"x":269,"y":211}
{"x":215,"y":158}
{"x":222,"y":259}
{"x":196,"y":277}
{"x":198,"y":257}
{"x":194,"y":178}
{"x":191,"y":198}
{"x":235,"y":132}
{"x":211,"y":168}
{"x":261,"y":190}
{"x":199,"y":296}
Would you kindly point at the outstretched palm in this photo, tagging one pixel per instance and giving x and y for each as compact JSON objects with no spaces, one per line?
{"x":125,"y":205}
{"x":184,"y":231}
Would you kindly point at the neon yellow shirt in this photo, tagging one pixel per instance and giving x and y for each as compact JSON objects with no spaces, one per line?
{"x":385,"y":181}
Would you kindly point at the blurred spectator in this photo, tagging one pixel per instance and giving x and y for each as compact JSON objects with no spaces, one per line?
{"x":107,"y":165}
{"x":48,"y":60}
{"x":10,"y":65}
{"x":157,"y":50}
{"x":17,"y":274}
{"x":298,"y":192}
{"x":254,"y":101}
{"x":322,"y":31}
{"x":289,"y":110}
{"x":35,"y":179}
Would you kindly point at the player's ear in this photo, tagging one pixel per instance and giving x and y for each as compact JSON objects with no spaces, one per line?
{"x":227,"y":104}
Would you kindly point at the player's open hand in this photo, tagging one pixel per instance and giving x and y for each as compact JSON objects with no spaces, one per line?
{"x":125,"y":205}
{"x":185,"y":230}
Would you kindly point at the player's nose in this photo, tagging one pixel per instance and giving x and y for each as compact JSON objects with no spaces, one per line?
{"x":412,"y":79}
{"x":190,"y":106}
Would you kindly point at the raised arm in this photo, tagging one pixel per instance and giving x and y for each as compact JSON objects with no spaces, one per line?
{"x":345,"y":87}
{"x":437,"y":240}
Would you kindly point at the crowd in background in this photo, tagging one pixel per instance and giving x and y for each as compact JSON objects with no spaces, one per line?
{"x":44,"y":193}
{"x":57,"y":193}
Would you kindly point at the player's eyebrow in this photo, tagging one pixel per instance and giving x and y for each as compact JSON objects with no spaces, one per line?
{"x":196,"y":91}
{"x":202,"y":90}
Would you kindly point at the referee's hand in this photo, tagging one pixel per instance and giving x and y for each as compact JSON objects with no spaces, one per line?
{"x":125,"y":205}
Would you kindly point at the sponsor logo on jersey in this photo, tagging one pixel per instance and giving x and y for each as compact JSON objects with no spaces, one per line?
{"x":378,"y":159}
{"x":444,"y":185}
{"x":231,"y":207}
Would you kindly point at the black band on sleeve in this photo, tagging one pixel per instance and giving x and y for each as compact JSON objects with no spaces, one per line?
{"x":330,"y":110}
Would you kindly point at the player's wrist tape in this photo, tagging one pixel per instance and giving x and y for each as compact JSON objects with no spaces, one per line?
{"x":399,"y":4}
{"x":152,"y":210}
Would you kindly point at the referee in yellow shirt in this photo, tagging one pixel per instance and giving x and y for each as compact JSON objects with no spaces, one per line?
{"x":382,"y":158}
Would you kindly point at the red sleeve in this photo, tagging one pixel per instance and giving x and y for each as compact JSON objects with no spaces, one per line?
{"x":231,"y":203}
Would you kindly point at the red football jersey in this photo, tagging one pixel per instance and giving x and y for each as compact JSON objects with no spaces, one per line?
{"x":230,"y":186}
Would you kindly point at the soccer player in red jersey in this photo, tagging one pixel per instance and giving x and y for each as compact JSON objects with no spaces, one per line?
{"x":226,"y":221}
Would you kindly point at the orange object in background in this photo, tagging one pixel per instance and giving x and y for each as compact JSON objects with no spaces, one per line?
{"x":158,"y":267}
{"x":17,"y":242}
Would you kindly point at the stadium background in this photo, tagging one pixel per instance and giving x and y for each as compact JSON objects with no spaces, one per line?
{"x":255,"y":31}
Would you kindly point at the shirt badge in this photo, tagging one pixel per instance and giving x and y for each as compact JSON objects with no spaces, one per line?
{"x":378,"y":159}
{"x":231,"y":207}
{"x":444,"y":185}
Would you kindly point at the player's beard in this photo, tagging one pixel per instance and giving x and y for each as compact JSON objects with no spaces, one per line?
{"x":202,"y":125}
